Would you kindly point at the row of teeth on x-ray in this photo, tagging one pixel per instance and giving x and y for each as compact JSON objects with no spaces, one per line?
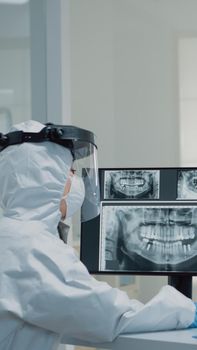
{"x":127,"y":182}
{"x":167,"y":233}
{"x":165,"y":249}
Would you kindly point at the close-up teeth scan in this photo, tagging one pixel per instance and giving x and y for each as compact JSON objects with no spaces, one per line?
{"x":131,"y":184}
{"x":160,"y":238}
{"x":187,"y":184}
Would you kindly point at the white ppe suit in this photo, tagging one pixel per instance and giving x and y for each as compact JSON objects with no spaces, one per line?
{"x":45,"y":291}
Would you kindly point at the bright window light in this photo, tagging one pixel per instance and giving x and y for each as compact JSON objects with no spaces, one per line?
{"x":13,"y":2}
{"x":188,"y":100}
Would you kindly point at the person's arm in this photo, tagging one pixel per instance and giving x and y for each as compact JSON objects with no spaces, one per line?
{"x":67,"y":300}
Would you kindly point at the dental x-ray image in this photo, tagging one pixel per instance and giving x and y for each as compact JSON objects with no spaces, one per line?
{"x":149,"y":238}
{"x":131,"y":184}
{"x":187,"y":184}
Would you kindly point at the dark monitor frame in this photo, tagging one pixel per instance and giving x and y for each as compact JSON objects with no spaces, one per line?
{"x":166,"y":195}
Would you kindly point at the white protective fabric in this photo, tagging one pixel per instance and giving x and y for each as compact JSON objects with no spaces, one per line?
{"x":45,"y":291}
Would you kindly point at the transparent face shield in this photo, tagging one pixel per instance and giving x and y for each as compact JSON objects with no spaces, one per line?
{"x":81,"y":144}
{"x":86,"y":167}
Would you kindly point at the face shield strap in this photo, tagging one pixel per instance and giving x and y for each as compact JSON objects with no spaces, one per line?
{"x":17,"y":137}
{"x":76,"y":139}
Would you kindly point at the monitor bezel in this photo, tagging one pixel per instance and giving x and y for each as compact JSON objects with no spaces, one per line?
{"x":88,"y":233}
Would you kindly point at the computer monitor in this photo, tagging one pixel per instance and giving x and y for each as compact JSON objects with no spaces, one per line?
{"x":147,"y":224}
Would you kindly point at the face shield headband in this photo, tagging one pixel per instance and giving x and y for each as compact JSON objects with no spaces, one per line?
{"x":81,"y":144}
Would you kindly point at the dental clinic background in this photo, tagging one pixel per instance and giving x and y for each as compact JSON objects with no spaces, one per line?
{"x":125,"y":69}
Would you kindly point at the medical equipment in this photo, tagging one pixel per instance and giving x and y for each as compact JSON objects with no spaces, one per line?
{"x":147,"y":225}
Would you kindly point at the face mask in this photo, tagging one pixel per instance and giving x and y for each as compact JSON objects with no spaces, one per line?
{"x":75,"y":197}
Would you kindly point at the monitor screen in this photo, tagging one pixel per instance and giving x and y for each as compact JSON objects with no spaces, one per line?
{"x":147,"y":222}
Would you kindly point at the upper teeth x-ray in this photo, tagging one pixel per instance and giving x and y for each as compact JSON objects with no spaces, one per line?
{"x":187,"y":184}
{"x":148,"y":237}
{"x":131,"y":184}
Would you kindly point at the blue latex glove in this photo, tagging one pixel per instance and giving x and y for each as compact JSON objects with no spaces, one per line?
{"x":194,"y":323}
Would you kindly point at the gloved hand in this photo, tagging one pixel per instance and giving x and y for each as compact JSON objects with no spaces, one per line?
{"x":194,"y":323}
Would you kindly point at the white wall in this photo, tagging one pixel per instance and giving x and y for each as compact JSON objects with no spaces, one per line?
{"x":188,"y":99}
{"x":92,"y":78}
{"x":145,"y":88}
{"x":124,"y":82}
{"x":125,"y":76}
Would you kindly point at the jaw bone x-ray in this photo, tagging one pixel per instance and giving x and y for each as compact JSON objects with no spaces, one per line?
{"x":148,"y":238}
{"x":187,"y":184}
{"x":131,"y":184}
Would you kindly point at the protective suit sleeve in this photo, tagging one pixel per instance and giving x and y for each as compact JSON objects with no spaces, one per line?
{"x":66,"y":299}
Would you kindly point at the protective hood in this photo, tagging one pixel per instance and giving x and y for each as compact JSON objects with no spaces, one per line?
{"x":32,"y":179}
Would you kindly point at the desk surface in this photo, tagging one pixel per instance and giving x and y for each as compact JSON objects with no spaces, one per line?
{"x":171,"y":340}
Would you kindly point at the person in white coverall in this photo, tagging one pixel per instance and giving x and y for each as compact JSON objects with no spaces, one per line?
{"x":45,"y":291}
